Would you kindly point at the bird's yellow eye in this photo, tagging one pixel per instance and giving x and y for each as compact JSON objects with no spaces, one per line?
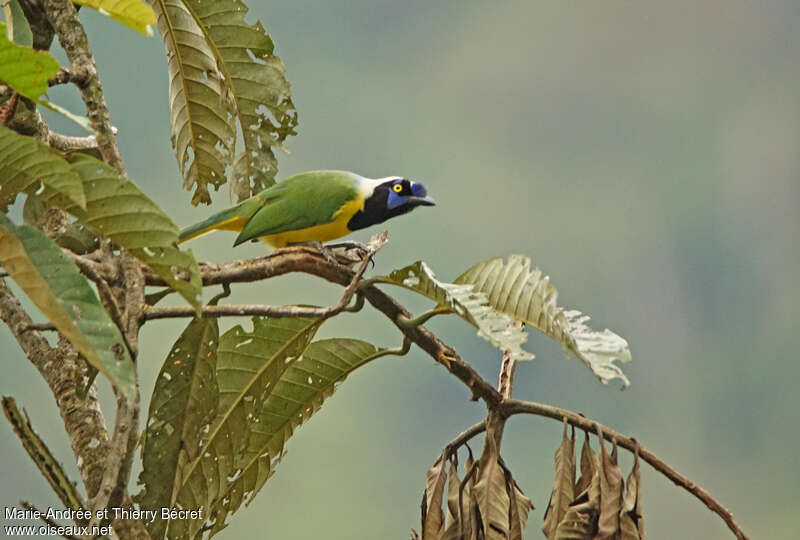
{"x":397,"y":188}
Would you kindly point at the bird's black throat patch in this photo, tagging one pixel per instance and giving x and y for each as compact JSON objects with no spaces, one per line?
{"x":376,"y":209}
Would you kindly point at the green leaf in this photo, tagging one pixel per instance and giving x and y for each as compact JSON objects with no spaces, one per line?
{"x":298,"y":394}
{"x":19,"y":31}
{"x":257,"y":77}
{"x":249,"y":366}
{"x":27,"y":71}
{"x":467,"y":302}
{"x":184,"y":403}
{"x":24,"y":69}
{"x":27,"y":165}
{"x":121,"y":212}
{"x":134,"y":14}
{"x":528,"y":296}
{"x":201,"y":104}
{"x":53,"y":283}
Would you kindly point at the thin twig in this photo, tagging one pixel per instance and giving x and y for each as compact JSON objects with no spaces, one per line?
{"x":511,"y":407}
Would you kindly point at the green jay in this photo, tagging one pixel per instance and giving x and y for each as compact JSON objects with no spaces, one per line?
{"x":315,"y":207}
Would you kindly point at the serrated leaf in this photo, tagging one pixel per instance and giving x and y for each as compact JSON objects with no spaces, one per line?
{"x":611,"y":493}
{"x":184,"y":403}
{"x":432,"y":518}
{"x":466,"y":302}
{"x":200,"y":102}
{"x":121,"y":212}
{"x":527,"y":295}
{"x":564,"y":487}
{"x":26,"y":165}
{"x":52,"y":282}
{"x":134,"y":14}
{"x":257,"y":78}
{"x":249,"y":366}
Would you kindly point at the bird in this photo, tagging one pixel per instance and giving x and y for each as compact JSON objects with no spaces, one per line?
{"x":315,"y":207}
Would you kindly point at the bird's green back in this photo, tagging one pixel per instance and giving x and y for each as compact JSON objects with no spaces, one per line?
{"x":301,"y":201}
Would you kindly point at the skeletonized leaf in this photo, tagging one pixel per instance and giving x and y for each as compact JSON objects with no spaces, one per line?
{"x":468,"y":303}
{"x":631,"y":517}
{"x":527,"y":295}
{"x":564,"y":488}
{"x":610,"y":494}
{"x":432,"y":518}
{"x":519,"y":508}
{"x":52,"y":282}
{"x":134,"y":14}
{"x":257,"y":78}
{"x":184,"y":403}
{"x":28,"y":165}
{"x":200,"y":102}
{"x":121,"y":212}
{"x":249,"y":366}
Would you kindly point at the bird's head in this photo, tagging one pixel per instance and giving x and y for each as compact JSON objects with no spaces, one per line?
{"x":390,"y":197}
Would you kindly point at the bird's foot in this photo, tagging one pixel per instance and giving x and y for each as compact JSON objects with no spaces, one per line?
{"x":330,"y":255}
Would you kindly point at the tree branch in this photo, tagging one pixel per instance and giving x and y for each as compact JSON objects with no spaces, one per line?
{"x":511,"y":407}
{"x":71,"y":35}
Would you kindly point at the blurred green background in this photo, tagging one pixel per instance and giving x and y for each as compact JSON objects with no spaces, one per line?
{"x":645,"y":154}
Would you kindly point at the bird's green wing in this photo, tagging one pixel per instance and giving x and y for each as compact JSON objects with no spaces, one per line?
{"x":300,"y":202}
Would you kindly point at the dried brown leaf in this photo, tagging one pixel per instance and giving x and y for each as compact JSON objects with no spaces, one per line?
{"x":518,"y":509}
{"x":631,"y":518}
{"x":611,"y":487}
{"x":588,"y":466}
{"x":490,"y":493}
{"x":432,"y":517}
{"x":564,"y":487}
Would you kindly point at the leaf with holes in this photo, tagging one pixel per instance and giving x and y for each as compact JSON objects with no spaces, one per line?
{"x":52,"y":282}
{"x":291,"y":400}
{"x":249,"y":367}
{"x":184,"y":403}
{"x":200,"y":101}
{"x":261,"y":94}
{"x":121,"y":212}
{"x":26,"y":165}
{"x":527,"y":295}
{"x":466,"y":302}
{"x":134,"y":14}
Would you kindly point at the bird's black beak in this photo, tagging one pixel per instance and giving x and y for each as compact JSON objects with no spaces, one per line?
{"x":421,"y":201}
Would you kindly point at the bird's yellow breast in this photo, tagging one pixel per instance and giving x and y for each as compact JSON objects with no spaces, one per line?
{"x":325,"y":232}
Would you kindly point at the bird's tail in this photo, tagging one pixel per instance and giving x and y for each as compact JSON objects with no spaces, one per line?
{"x":227,"y":220}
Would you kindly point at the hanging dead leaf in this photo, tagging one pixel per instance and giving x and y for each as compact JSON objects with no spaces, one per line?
{"x":631,"y":518}
{"x":432,"y":518}
{"x":611,"y":487}
{"x":564,"y":487}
